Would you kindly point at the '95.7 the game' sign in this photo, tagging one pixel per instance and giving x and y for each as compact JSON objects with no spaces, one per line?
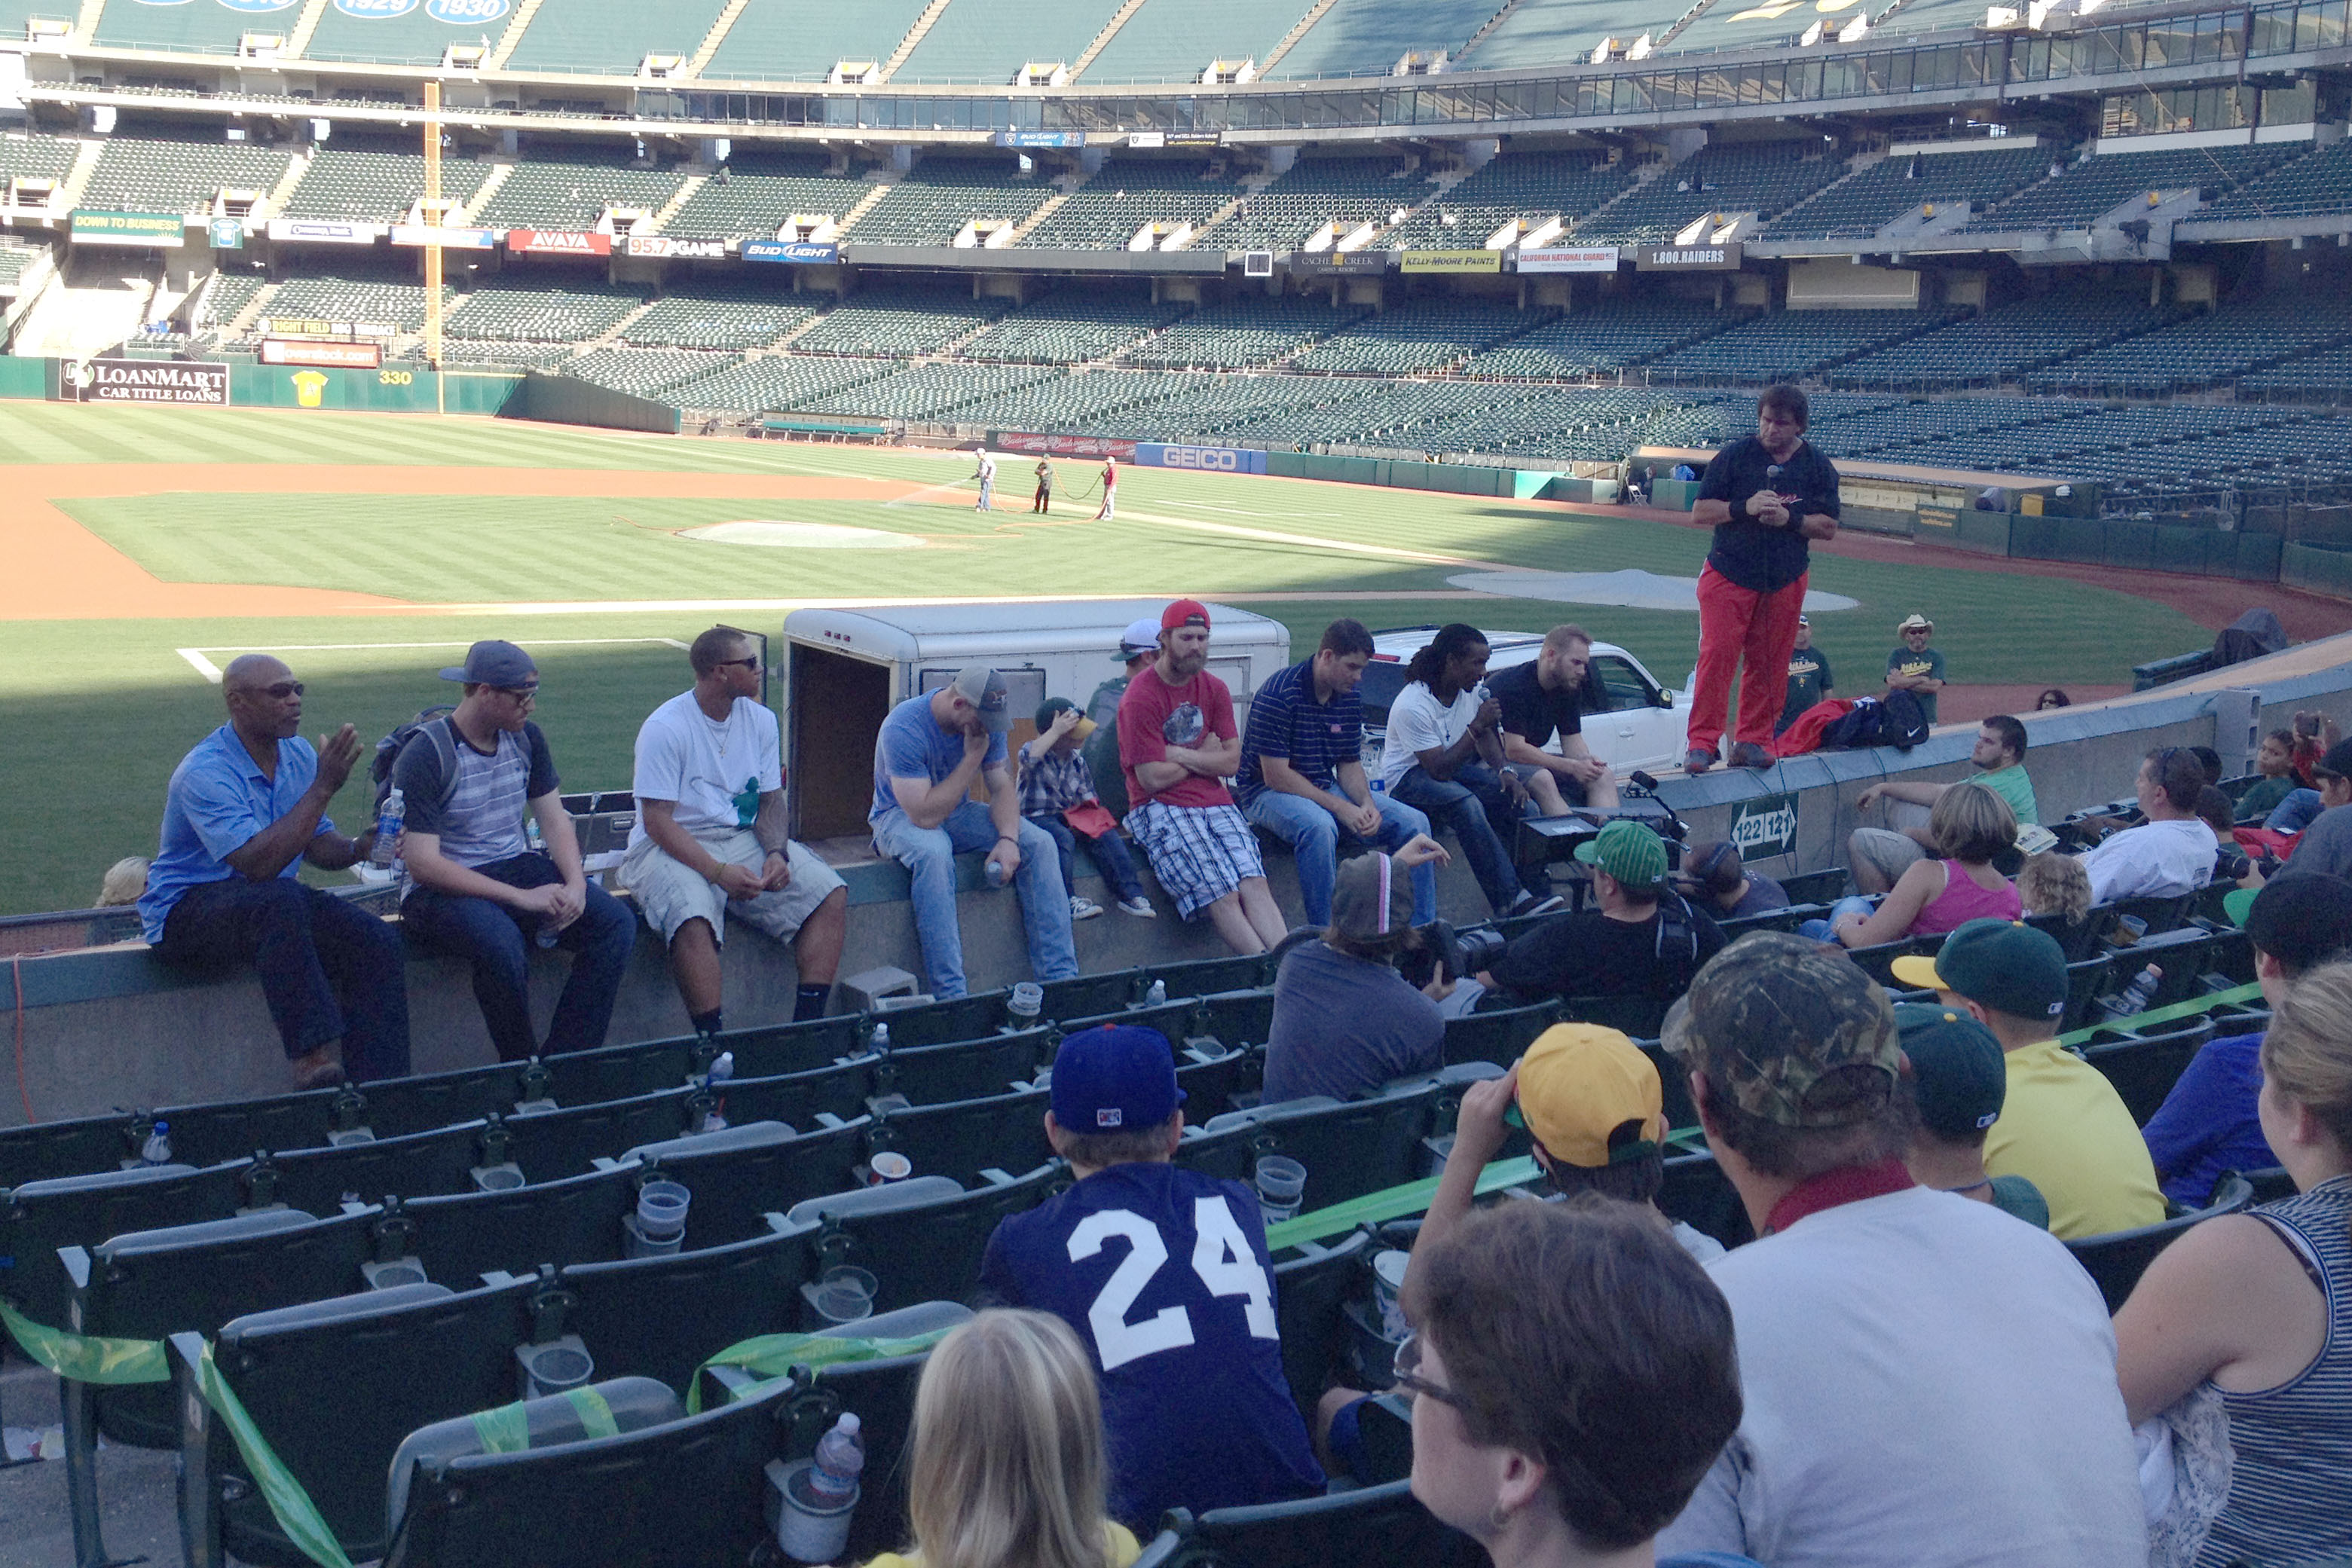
{"x":1765,"y":827}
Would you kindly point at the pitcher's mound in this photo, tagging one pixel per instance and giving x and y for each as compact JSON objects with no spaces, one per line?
{"x":800,"y":536}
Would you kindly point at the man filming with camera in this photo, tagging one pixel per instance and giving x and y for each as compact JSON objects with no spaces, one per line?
{"x":1344,"y":1020}
{"x":1643,"y":939}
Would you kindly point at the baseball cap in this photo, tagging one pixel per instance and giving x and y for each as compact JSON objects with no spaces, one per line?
{"x":1184,"y":612}
{"x":490,"y":663}
{"x":2005,"y":965}
{"x":1579,"y":1082}
{"x":1915,"y":622}
{"x":1140,"y":637}
{"x":1627,"y":851}
{"x":1956,"y":1071}
{"x":1054,"y":706}
{"x":1120,"y":1078}
{"x":984,"y":688}
{"x":1773,"y":1018}
{"x":2337,"y":760}
{"x":2302,"y":918}
{"x":1804,"y":621}
{"x":1369,"y":899}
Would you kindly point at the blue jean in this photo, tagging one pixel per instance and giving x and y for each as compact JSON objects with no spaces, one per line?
{"x":1461,"y":804}
{"x":497,"y":941}
{"x":928,"y":854}
{"x":1314,"y":835}
{"x":1852,"y":904}
{"x":2294,"y":813}
{"x":1108,"y":853}
{"x":329,"y":969}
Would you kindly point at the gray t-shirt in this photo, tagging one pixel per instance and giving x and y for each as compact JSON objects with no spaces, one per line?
{"x":1344,"y":1025}
{"x":2326,"y":846}
{"x":483,"y":821}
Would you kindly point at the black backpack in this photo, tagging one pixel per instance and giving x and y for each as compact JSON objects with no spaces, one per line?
{"x":1858,"y":726}
{"x":433,"y":721}
{"x":1902,"y":721}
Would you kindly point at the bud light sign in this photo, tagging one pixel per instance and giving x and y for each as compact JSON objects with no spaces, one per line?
{"x":1200,"y":459}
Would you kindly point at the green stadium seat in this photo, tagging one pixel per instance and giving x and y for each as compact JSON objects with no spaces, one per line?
{"x":739,"y":1175}
{"x":416,"y":1164}
{"x":576,"y":1220}
{"x":2118,"y":1259}
{"x":967,"y":1137}
{"x":1309,"y":1291}
{"x":964,"y":1070}
{"x":2144,"y":1065}
{"x":1350,"y":1149}
{"x":922,"y":1239}
{"x":39,"y":1217}
{"x":1087,"y":996}
{"x":549,"y":1144}
{"x":938,"y":1023}
{"x":1381,"y":1524}
{"x":1815,"y":886}
{"x":1206,"y":977}
{"x":1501,"y":1037}
{"x":1211,"y":1081}
{"x":840,"y":1090}
{"x":1236,"y":1018}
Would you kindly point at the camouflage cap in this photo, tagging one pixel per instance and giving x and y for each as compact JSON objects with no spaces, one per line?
{"x":1772,"y":1017}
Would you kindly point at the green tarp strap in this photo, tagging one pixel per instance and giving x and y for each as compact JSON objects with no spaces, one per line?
{"x":2189,"y":1008}
{"x":506,"y":1430}
{"x":1391,"y":1203}
{"x":771,"y":1356}
{"x":297,"y":1515}
{"x":85,"y":1359}
{"x":595,"y":1416}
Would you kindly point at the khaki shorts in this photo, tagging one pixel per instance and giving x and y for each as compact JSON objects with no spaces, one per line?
{"x":671,"y":893}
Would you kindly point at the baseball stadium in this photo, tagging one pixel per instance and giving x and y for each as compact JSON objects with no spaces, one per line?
{"x":974,"y":359}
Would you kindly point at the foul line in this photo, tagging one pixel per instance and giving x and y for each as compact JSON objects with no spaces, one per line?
{"x":212,"y":672}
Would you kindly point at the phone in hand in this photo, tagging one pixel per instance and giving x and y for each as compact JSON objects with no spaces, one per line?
{"x":2306,"y":723}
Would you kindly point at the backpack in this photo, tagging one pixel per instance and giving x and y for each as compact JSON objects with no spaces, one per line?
{"x":1902,"y":721}
{"x":433,"y":721}
{"x":1857,"y":727}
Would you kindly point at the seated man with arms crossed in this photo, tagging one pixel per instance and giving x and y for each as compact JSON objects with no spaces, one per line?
{"x":710,"y":836}
{"x":1164,"y":1275}
{"x":244,"y":809}
{"x":1544,"y":697}
{"x":1880,"y":856}
{"x":476,"y":885}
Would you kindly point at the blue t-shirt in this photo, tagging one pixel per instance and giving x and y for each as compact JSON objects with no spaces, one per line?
{"x":1286,"y":721}
{"x":1164,"y":1272}
{"x":911,"y":745}
{"x":216,"y":803}
{"x":2208,"y":1123}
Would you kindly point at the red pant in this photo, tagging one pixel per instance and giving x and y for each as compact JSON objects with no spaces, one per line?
{"x":1737,"y":625}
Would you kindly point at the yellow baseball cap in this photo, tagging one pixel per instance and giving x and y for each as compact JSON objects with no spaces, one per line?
{"x":1579,"y":1083}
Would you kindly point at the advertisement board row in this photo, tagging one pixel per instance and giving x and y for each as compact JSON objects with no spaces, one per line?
{"x":180,"y":382}
{"x":1144,"y":454}
{"x":1544,"y":258}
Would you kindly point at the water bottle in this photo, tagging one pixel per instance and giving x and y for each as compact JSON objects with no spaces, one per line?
{"x":722,"y":1070}
{"x":388,"y":823}
{"x":1156,"y":994}
{"x":157,"y":1150}
{"x":881,"y":1040}
{"x":840,"y":1456}
{"x":996,"y":868}
{"x":2142,"y":989}
{"x":530,"y":832}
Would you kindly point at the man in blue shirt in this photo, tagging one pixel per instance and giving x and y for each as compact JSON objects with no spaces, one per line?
{"x":244,"y":807}
{"x":2208,"y":1123}
{"x":1163,"y":1273}
{"x":926,"y":756}
{"x":1302,"y":776}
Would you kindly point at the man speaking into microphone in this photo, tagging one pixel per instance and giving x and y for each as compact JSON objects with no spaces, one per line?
{"x":1768,"y":496}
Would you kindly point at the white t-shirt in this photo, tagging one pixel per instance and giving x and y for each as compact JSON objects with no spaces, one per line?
{"x":2155,"y":860}
{"x":1928,"y":1382}
{"x":716,"y":773}
{"x":1419,"y":723}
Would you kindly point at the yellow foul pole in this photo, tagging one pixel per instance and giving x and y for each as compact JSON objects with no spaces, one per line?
{"x":434,"y":219}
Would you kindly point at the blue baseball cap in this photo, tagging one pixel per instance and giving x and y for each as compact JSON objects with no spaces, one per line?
{"x":1120,"y":1078}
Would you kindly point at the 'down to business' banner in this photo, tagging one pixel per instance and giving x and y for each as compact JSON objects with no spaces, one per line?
{"x":1451,"y":261}
{"x":1203,"y":459}
{"x":152,"y":229}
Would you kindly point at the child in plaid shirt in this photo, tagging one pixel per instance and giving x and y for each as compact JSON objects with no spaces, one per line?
{"x":1057,"y":793}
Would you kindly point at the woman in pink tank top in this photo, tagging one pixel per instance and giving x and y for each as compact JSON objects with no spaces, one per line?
{"x":1970,"y":825}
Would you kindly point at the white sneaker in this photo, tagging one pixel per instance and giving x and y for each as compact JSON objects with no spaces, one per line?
{"x":1139,"y":904}
{"x":1084,"y":908}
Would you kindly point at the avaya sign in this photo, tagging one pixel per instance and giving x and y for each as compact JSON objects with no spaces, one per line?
{"x":550,"y":241}
{"x":1201,"y":459}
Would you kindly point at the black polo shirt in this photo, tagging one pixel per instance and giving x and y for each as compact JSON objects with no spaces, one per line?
{"x":1533,"y":713}
{"x":1753,"y":555}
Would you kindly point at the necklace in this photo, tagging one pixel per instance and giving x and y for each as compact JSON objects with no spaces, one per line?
{"x":1972,"y":1186}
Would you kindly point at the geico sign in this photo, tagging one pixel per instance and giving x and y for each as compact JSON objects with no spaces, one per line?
{"x":1222,"y":458}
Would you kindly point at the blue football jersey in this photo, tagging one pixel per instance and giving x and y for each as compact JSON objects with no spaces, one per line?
{"x":1163,"y":1273}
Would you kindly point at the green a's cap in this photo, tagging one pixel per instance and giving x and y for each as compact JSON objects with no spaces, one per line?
{"x":2237,"y":905}
{"x":1773,"y":1020}
{"x":1956,"y":1069}
{"x":2005,"y":965}
{"x":1629,"y":851}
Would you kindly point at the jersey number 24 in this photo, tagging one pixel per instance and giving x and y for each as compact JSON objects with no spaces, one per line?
{"x":1221,"y":1257}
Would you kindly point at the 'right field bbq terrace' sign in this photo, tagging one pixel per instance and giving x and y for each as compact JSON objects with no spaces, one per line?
{"x":142,"y":381}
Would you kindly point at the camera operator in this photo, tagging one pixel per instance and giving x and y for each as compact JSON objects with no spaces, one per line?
{"x":1644,"y":939}
{"x":1344,"y":1020}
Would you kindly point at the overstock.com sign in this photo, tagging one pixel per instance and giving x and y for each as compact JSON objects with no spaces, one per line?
{"x":1765,"y":827}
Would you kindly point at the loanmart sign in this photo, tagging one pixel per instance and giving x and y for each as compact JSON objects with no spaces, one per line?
{"x":151,"y":229}
{"x":1765,"y":826}
{"x":142,"y":381}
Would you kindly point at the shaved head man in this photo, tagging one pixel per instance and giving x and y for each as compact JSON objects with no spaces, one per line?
{"x":244,"y":809}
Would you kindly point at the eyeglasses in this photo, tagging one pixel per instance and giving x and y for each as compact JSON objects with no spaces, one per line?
{"x":1406,"y":1369}
{"x":520,"y":693}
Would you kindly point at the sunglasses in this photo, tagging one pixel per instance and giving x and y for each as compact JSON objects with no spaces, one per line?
{"x":751,"y":663}
{"x":520,"y":693}
{"x":1406,"y":1369}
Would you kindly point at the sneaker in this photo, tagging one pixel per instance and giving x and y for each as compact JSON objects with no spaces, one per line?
{"x":1139,"y":904}
{"x":1747,"y":754}
{"x":1084,"y":908}
{"x":1697,"y":760}
{"x":1530,"y":904}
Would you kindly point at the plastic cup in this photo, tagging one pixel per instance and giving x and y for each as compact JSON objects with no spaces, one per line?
{"x":888,"y":1167}
{"x":1027,"y":1001}
{"x":1281,"y":1182}
{"x":2130,"y":928}
{"x":661,"y":1209}
{"x":844,"y":1294}
{"x":553,"y":1368}
{"x":1388,"y":1279}
{"x":499,"y":1179}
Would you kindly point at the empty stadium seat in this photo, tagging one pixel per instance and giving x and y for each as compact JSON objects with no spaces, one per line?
{"x":2118,"y":1259}
{"x":2142,"y":1065}
{"x":922,"y":1239}
{"x":1372,"y":1524}
{"x":739,"y":1175}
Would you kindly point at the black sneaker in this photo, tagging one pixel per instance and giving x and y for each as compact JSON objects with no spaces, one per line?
{"x":1697,"y":760}
{"x":1529,"y":904}
{"x":1747,"y":754}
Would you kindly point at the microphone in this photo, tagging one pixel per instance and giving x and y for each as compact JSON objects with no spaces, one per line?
{"x":1643,"y":780}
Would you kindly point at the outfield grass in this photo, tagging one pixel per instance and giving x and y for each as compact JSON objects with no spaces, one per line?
{"x":115,"y":707}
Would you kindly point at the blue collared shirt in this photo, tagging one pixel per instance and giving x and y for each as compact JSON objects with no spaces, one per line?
{"x":216,"y":803}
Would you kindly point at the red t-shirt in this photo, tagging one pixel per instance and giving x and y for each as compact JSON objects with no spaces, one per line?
{"x":1154,"y":715}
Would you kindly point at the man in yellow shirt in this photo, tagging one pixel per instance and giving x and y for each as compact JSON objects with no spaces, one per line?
{"x":2062,"y":1126}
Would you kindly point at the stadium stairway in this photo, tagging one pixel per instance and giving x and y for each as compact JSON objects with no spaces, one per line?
{"x":712,"y":39}
{"x":498,"y":175}
{"x":96,"y":303}
{"x":1102,"y":39}
{"x":684,"y":192}
{"x":914,"y":36}
{"x":1291,"y":39}
{"x":306,"y":28}
{"x":1046,"y":209}
{"x":496,"y":61}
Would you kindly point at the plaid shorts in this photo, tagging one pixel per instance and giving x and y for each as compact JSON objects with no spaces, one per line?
{"x":1199,"y":853}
